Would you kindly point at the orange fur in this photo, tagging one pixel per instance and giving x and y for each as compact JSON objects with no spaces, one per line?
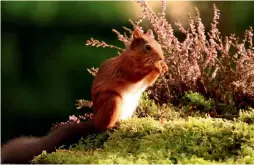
{"x":125,"y":75}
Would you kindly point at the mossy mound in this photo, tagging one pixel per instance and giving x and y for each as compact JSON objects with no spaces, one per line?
{"x":148,"y":140}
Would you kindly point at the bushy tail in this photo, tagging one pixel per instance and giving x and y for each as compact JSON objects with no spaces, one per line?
{"x":24,"y":149}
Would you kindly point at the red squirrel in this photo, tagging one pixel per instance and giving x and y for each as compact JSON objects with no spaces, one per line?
{"x":116,"y":91}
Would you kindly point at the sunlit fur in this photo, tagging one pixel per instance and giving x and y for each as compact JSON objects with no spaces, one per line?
{"x":128,"y":75}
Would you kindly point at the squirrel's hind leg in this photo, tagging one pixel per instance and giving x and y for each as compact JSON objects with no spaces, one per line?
{"x":108,"y":108}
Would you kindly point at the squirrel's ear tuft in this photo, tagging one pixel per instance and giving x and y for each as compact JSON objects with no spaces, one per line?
{"x":149,"y":33}
{"x":137,"y":33}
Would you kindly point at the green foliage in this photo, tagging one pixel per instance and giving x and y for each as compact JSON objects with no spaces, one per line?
{"x":247,"y":116}
{"x":178,"y":139}
{"x":197,"y":104}
{"x":146,"y":140}
{"x":45,"y":13}
{"x":148,"y":108}
{"x":90,"y":142}
{"x":199,"y":101}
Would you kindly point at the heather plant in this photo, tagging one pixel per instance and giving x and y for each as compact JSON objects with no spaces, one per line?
{"x":218,"y":67}
{"x":221,"y":68}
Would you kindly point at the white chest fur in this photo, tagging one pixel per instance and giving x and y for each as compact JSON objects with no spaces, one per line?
{"x":131,"y":100}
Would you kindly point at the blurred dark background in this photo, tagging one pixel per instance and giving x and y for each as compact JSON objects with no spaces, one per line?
{"x":44,"y":59}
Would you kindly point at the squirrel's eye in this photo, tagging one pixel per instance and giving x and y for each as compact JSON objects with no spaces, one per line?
{"x":148,"y":47}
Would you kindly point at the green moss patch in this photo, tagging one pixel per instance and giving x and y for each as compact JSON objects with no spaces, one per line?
{"x":146,"y":140}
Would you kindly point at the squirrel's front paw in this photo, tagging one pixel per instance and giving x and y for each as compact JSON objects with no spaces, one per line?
{"x":161,"y":67}
{"x":164,"y":67}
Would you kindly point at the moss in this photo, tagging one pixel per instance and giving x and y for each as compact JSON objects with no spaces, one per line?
{"x":91,"y":142}
{"x":148,"y":108}
{"x":146,"y":140}
{"x":247,"y":116}
{"x":199,"y":101}
{"x":177,"y":139}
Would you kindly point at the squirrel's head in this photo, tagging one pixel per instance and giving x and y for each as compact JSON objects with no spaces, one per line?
{"x":145,"y":47}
